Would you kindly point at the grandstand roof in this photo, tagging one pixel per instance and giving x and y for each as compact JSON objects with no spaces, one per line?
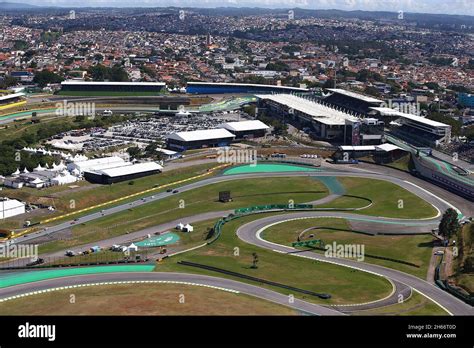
{"x":85,"y":83}
{"x":357,"y":148}
{"x":319,"y":112}
{"x":247,"y":85}
{"x":97,"y":163}
{"x":198,"y":135}
{"x":166,"y":151}
{"x":243,"y":126}
{"x":355,"y":95}
{"x":6,"y":204}
{"x":387,"y":147}
{"x":130,"y":169}
{"x":11,"y":96}
{"x":427,"y":121}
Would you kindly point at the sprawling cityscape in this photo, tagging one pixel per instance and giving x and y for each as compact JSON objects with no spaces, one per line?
{"x":309,"y":158}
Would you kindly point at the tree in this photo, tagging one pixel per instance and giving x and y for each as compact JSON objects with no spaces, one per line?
{"x":8,"y":81}
{"x":255,"y":260}
{"x":44,"y":77}
{"x":372,"y":91}
{"x":98,"y":72}
{"x":134,"y":151}
{"x":449,"y":224}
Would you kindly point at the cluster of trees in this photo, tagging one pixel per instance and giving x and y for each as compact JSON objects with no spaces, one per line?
{"x":100,"y":72}
{"x":449,"y":224}
{"x":440,"y":61}
{"x":277,"y":66}
{"x":372,"y":91}
{"x":149,"y":152}
{"x":13,"y":159}
{"x":467,"y":250}
{"x":279,"y":128}
{"x":367,"y":75}
{"x":43,"y":78}
{"x":20,"y":45}
{"x":8,"y":81}
{"x":291,"y":48}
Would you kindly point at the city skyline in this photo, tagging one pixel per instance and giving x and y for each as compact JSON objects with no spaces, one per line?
{"x":456,"y":7}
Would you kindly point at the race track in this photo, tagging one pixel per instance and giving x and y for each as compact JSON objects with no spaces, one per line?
{"x":250,"y":232}
{"x":191,"y":279}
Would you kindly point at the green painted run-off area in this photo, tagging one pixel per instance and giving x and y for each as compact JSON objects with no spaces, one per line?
{"x":165,"y":239}
{"x":35,"y":276}
{"x":269,"y":168}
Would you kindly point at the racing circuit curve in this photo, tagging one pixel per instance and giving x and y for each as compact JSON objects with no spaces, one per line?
{"x":250,"y":233}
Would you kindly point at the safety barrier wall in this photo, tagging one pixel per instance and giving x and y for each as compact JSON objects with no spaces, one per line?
{"x":443,"y":180}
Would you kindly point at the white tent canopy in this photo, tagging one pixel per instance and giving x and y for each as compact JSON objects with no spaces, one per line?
{"x":132,"y":247}
{"x":188,"y":228}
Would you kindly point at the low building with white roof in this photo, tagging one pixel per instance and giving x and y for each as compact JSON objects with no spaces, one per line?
{"x":127,"y":171}
{"x":246,"y":129}
{"x":198,"y":139}
{"x":10,"y":207}
{"x":95,"y":164}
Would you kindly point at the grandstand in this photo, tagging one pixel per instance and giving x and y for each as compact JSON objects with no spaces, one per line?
{"x":352,"y":101}
{"x":236,"y":88}
{"x":325,"y":121}
{"x":416,"y":130}
{"x":12,"y":100}
{"x":73,"y":86}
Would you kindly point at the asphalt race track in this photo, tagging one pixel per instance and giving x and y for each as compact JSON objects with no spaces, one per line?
{"x":440,"y":204}
{"x":250,"y":233}
{"x":402,"y":282}
{"x":192,"y":279}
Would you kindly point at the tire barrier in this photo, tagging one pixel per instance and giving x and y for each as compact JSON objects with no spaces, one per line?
{"x":255,"y":279}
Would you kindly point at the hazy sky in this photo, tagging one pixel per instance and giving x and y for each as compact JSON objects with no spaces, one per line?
{"x":465,"y":7}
